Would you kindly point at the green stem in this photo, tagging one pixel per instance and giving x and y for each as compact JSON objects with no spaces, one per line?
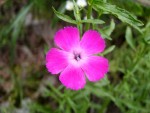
{"x":89,"y":13}
{"x":79,"y":25}
{"x":77,"y":17}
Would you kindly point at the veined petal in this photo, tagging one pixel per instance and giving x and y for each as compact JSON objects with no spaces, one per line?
{"x":56,"y":60}
{"x":95,"y":68}
{"x":92,"y":42}
{"x":67,"y":38}
{"x":73,"y":78}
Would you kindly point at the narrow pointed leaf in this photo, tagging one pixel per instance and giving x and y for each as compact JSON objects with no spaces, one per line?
{"x":120,"y":13}
{"x":64,"y":17}
{"x":109,"y":29}
{"x":129,"y":38}
{"x":110,"y":49}
{"x":104,"y":35}
{"x":93,"y":21}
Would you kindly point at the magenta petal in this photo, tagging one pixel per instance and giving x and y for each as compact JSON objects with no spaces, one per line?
{"x":56,"y":60}
{"x":73,"y":78}
{"x":67,"y":38}
{"x":95,"y":68}
{"x":92,"y":42}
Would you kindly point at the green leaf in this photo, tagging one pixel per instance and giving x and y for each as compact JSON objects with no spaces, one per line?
{"x":110,"y":49}
{"x":109,"y":29}
{"x":61,"y":9}
{"x":129,"y":38}
{"x":130,"y":5}
{"x":104,"y":35}
{"x":93,"y":21}
{"x":64,"y":17}
{"x":17,"y":27}
{"x":132,"y":105}
{"x":72,"y":104}
{"x":100,"y":92}
{"x":146,"y":33}
{"x":39,"y":108}
{"x":120,"y":13}
{"x":20,"y":18}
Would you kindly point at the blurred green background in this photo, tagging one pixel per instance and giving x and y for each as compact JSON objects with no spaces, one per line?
{"x":27,"y":29}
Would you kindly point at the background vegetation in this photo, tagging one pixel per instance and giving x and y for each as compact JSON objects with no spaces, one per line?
{"x":27,"y":28}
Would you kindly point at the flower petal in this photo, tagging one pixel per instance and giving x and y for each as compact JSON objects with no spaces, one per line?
{"x":67,"y":38}
{"x":95,"y":68}
{"x":92,"y":42}
{"x":56,"y":60}
{"x":73,"y":78}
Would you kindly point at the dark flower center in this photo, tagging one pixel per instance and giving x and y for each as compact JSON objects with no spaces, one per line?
{"x":77,"y":56}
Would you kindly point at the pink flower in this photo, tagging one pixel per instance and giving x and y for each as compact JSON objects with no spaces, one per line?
{"x":76,"y":59}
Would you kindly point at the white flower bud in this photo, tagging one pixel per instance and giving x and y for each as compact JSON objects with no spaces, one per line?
{"x":69,"y":5}
{"x":81,"y":3}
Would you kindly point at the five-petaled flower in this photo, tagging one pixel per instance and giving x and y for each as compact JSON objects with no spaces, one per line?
{"x":76,"y":59}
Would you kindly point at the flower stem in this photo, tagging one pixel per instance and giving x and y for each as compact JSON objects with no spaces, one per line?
{"x":89,"y":12}
{"x":79,"y":25}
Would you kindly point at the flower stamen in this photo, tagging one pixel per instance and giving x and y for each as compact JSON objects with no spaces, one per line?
{"x":77,"y":56}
